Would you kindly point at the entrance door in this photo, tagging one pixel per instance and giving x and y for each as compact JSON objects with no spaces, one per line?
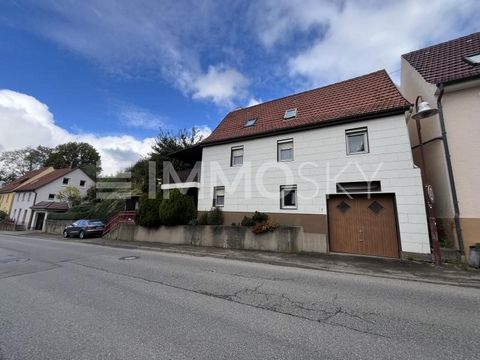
{"x":39,"y":223}
{"x":362,"y":225}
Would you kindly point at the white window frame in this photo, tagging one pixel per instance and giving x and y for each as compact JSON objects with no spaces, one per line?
{"x":279,"y":151}
{"x":283,"y":189}
{"x":250,"y":122}
{"x":216,"y":190}
{"x":290,"y":114}
{"x":356,"y":132}
{"x":232,"y":156}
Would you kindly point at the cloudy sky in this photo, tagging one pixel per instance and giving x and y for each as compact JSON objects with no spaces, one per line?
{"x":112,"y":73}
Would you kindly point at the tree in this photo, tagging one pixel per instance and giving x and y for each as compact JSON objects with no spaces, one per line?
{"x":16,"y":163}
{"x":71,"y":195}
{"x":74,"y":155}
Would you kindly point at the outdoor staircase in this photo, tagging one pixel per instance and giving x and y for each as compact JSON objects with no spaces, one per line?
{"x":20,"y":227}
{"x":123,"y":217}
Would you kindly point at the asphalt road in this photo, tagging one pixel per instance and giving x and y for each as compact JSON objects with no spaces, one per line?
{"x":66,"y":300}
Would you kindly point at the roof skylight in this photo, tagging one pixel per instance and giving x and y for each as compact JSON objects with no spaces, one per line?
{"x":250,"y":122}
{"x":473,"y":59}
{"x":290,"y":113}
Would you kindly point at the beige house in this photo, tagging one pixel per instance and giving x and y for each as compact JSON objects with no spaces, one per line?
{"x":447,"y":75}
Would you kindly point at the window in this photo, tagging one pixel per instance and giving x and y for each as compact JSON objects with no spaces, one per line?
{"x":250,"y":122}
{"x":288,"y":197}
{"x":51,"y":196}
{"x":357,"y":141}
{"x":65,"y":181}
{"x":82,"y":183}
{"x":218,"y":196}
{"x":290,"y":113}
{"x":285,"y":150}
{"x":237,"y":156}
{"x":473,"y":59}
{"x":23,"y":197}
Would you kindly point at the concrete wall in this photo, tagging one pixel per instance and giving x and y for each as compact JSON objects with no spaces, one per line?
{"x":283,"y":239}
{"x":7,"y":226}
{"x":56,"y":226}
{"x":320,"y":161}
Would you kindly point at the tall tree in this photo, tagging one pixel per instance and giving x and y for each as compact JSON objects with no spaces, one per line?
{"x":16,"y":163}
{"x":74,"y":155}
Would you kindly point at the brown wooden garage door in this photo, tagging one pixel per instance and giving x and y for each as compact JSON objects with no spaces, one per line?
{"x":362,"y":225}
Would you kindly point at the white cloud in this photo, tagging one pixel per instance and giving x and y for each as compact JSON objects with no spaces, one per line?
{"x":25,"y":121}
{"x":220,"y":85}
{"x":203,"y":131}
{"x":140,"y":118}
{"x":352,"y":38}
{"x":252,"y":101}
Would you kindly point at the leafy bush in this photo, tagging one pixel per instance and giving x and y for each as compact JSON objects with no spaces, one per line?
{"x":203,"y":219}
{"x":102,"y":210}
{"x":3,"y":215}
{"x":178,"y":209}
{"x":212,"y":217}
{"x":148,"y":213}
{"x":82,"y":211}
{"x":264,"y":226}
{"x":247,"y":221}
{"x":259,"y":217}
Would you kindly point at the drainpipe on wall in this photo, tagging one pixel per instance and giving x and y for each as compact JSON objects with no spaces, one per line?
{"x":453,"y":190}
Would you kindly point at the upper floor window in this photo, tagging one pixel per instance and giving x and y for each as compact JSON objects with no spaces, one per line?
{"x":23,"y":197}
{"x":51,"y":196}
{"x":473,"y":59}
{"x":357,"y":141}
{"x":218,"y":196}
{"x":285,"y":150}
{"x":290,"y":113}
{"x":66,"y":181}
{"x":82,"y":183}
{"x":288,"y":196}
{"x":236,"y":158}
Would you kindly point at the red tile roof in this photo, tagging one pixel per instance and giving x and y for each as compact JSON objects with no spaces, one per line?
{"x":445,"y":62}
{"x":362,"y":97}
{"x":11,"y":186}
{"x":44,"y":180}
{"x":50,"y":205}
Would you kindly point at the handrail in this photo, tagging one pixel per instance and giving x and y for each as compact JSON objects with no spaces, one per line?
{"x":123,"y":217}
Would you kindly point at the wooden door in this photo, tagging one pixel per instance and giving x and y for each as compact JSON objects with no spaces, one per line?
{"x":363,"y":225}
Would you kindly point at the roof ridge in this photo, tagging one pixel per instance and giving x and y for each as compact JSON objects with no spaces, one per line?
{"x":442,"y":43}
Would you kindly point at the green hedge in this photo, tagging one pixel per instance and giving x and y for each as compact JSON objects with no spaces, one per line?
{"x":148,"y":213}
{"x":178,"y":209}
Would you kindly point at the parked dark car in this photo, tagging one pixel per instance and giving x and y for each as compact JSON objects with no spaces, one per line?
{"x":84,"y":228}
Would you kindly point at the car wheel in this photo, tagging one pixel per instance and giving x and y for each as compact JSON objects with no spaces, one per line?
{"x":65,"y":234}
{"x":81,"y":235}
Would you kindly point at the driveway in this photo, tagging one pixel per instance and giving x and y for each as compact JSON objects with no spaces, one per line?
{"x":70,"y":300}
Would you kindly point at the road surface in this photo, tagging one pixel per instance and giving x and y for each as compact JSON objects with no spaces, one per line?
{"x":69,"y":300}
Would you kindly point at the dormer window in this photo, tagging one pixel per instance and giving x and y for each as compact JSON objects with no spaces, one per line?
{"x":250,"y":122}
{"x":473,"y":59}
{"x":290,"y":114}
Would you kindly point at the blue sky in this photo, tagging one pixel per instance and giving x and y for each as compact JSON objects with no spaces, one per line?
{"x":114,"y":72}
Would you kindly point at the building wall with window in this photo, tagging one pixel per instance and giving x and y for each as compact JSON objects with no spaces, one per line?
{"x":320,"y":161}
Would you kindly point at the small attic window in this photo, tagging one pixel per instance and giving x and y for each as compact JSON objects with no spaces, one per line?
{"x":250,"y":122}
{"x":473,"y":59}
{"x":290,"y":113}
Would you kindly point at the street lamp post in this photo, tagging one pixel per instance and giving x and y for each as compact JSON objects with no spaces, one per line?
{"x":421,"y":111}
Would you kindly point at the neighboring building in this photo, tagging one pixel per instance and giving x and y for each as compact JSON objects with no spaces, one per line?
{"x":7,"y":192}
{"x":447,"y":75}
{"x":296,"y":157}
{"x":35,"y":200}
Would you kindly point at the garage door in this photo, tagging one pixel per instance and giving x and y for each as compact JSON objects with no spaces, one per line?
{"x":362,"y":225}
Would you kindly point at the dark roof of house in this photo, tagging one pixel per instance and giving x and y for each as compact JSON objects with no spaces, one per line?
{"x":11,"y":186}
{"x":50,"y":205}
{"x":44,"y":180}
{"x":445,"y":62}
{"x":363,"y":97}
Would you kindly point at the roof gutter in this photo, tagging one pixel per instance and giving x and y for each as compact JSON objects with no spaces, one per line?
{"x":396,"y":111}
{"x":453,"y":190}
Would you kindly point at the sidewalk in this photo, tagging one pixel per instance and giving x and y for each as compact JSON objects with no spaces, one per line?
{"x":449,"y":274}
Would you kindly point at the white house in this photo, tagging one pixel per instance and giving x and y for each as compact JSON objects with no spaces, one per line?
{"x":335,"y":160}
{"x":33,"y":201}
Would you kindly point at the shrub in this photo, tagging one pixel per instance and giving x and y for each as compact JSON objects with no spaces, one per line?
{"x":247,"y":221}
{"x":178,"y":209}
{"x":259,"y":217}
{"x":215,"y":216}
{"x":203,"y":219}
{"x":3,"y":215}
{"x":263,"y":227}
{"x":148,"y":213}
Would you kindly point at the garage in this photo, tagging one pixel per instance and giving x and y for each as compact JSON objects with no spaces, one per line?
{"x":362,"y":224}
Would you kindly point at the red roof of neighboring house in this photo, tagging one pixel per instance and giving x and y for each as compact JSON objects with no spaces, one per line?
{"x":11,"y":186}
{"x":50,"y":205}
{"x":445,"y":62}
{"x":363,"y":97}
{"x":44,"y":180}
